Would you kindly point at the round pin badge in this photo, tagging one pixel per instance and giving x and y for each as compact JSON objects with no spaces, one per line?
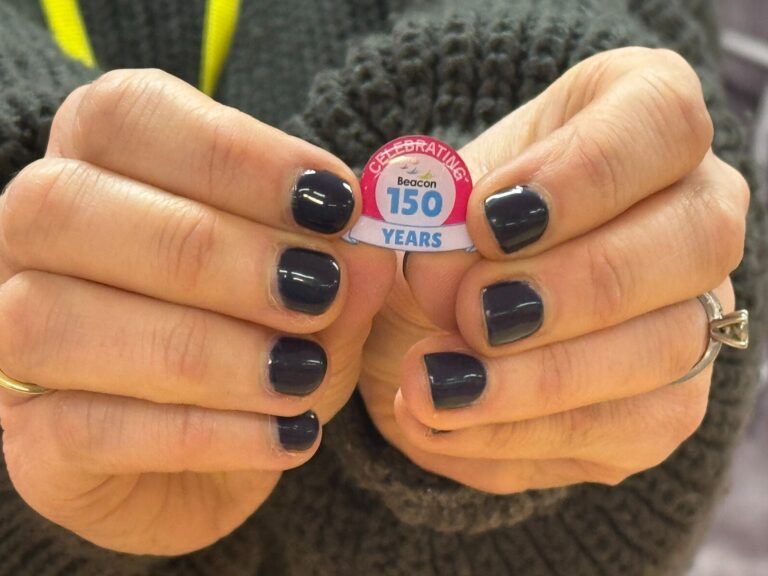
{"x":415,"y":191}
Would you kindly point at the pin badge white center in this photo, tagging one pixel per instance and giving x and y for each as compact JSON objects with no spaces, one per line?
{"x":415,"y":191}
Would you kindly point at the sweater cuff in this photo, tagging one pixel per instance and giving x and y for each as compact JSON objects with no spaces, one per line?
{"x":414,"y":495}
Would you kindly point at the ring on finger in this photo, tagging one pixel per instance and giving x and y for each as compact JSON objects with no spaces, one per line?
{"x":731,"y":329}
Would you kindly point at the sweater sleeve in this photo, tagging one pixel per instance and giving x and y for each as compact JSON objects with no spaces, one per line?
{"x":452,"y":70}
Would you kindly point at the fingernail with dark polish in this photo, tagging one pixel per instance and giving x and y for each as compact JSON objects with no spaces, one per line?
{"x":513,"y":310}
{"x":296,"y":366}
{"x":518,"y":217}
{"x":323,"y":202}
{"x":298,"y":433}
{"x":307,"y":280}
{"x":455,"y":379}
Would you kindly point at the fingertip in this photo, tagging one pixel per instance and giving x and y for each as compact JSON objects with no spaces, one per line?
{"x":508,"y":218}
{"x":434,"y":280}
{"x":325,"y":201}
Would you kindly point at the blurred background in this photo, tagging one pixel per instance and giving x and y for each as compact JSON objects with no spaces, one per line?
{"x":737,"y":544}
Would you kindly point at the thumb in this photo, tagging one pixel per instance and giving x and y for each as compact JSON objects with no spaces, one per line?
{"x":434,"y":278}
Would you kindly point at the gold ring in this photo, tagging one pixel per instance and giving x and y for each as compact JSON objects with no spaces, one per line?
{"x":22,"y":387}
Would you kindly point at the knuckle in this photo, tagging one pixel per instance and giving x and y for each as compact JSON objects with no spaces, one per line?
{"x":577,"y":427}
{"x":726,"y":233}
{"x":82,"y":424}
{"x":595,"y":161}
{"x":611,"y":281}
{"x":186,"y":243}
{"x":183,"y":349}
{"x":679,"y":88}
{"x":110,"y":105}
{"x":189,"y":431}
{"x":689,"y":412}
{"x":557,"y":371}
{"x":29,"y":319}
{"x":36,"y":202}
{"x":227,"y":154}
{"x":62,"y":124}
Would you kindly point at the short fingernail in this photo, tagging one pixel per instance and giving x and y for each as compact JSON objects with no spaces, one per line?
{"x":455,"y":379}
{"x":296,"y":366}
{"x":308,"y":281}
{"x":513,"y":311}
{"x":323,"y":202}
{"x":298,"y":433}
{"x":518,"y":217}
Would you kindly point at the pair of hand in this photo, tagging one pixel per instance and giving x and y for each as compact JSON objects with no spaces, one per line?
{"x":197,"y":318}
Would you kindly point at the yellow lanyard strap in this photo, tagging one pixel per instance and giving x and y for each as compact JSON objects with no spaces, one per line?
{"x":220,"y":24}
{"x":66,"y":24}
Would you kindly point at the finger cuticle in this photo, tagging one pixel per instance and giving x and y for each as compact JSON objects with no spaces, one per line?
{"x":322,"y":202}
{"x":512,"y":310}
{"x":517,"y":216}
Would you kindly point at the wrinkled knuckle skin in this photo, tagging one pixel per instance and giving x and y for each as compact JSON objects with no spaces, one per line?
{"x":183,"y":350}
{"x":29,"y":318}
{"x":189,"y":432}
{"x":577,"y":427}
{"x":739,"y":188}
{"x":186,"y":244}
{"x":692,"y":409}
{"x":557,"y":372}
{"x":228,"y":154}
{"x":35,"y":201}
{"x":610,"y":282}
{"x":594,"y":154}
{"x":681,"y":87}
{"x":81,"y":425}
{"x":726,"y":234}
{"x":112,"y":107}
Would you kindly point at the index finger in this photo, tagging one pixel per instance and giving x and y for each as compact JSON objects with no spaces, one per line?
{"x":153,"y":127}
{"x":612,"y":131}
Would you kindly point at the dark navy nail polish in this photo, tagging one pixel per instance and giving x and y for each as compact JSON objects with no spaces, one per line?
{"x":307,"y":280}
{"x":513,"y":310}
{"x":455,"y":379}
{"x":518,"y":217}
{"x":296,"y":366}
{"x":298,"y":433}
{"x":323,"y":202}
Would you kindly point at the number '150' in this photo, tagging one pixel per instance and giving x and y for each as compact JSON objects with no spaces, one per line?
{"x":431,"y":201}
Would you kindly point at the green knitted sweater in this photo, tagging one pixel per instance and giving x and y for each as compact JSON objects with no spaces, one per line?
{"x":349,"y":75}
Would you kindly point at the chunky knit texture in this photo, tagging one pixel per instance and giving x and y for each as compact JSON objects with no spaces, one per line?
{"x":349,"y":76}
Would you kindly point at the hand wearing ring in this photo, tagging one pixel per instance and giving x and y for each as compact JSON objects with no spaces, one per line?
{"x":600,"y":215}
{"x":175,"y":274}
{"x":153,"y":299}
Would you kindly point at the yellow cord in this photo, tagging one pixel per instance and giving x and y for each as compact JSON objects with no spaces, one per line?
{"x":66,"y":23}
{"x":220,"y":23}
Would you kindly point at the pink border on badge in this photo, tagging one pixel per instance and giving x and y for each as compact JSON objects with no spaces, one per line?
{"x":414,"y":144}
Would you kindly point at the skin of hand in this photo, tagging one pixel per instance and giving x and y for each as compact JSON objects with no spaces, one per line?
{"x":150,"y":277}
{"x":627,"y":216}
